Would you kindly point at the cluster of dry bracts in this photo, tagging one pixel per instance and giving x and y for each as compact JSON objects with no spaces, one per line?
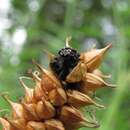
{"x":49,"y":106}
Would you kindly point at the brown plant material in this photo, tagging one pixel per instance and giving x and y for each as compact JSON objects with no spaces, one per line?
{"x":17,"y":124}
{"x":48,"y":81}
{"x":29,"y":92}
{"x":93,"y":82}
{"x":39,"y":93}
{"x":30,"y":110}
{"x":94,"y":57}
{"x":58,"y":97}
{"x":78,"y":99}
{"x":54,"y":124}
{"x":100,"y":74}
{"x":6,"y":125}
{"x":71,"y":114}
{"x":54,"y":102}
{"x":77,"y":74}
{"x":45,"y":110}
{"x":33,"y":125}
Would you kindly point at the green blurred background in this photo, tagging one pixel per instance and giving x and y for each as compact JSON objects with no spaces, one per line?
{"x":29,"y":26}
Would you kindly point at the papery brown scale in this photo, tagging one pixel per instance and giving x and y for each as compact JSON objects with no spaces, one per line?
{"x":54,"y":124}
{"x":93,"y":82}
{"x":5,"y":124}
{"x":30,"y":110}
{"x":48,"y":80}
{"x":71,"y":115}
{"x":77,"y":74}
{"x":17,"y":108}
{"x":58,"y":97}
{"x":100,"y":74}
{"x":39,"y":93}
{"x":17,"y":124}
{"x":29,"y":92}
{"x":76,"y":126}
{"x":33,"y":125}
{"x":45,"y":110}
{"x":78,"y":99}
{"x":18,"y":111}
{"x":94,"y":58}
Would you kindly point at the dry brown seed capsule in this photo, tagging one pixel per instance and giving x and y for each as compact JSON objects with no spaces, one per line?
{"x":93,"y":58}
{"x":48,"y":80}
{"x":30,"y":110}
{"x":45,"y":110}
{"x":100,"y":74}
{"x":32,"y":125}
{"x":36,"y":106}
{"x":17,"y":109}
{"x":77,"y":74}
{"x":54,"y":124}
{"x":38,"y":91}
{"x":58,"y":97}
{"x":18,"y":124}
{"x":93,"y":82}
{"x":78,"y":99}
{"x":5,"y":124}
{"x":71,"y":115}
{"x":76,"y":126}
{"x":29,"y":92}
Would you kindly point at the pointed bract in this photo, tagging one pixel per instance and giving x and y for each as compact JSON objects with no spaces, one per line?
{"x":78,"y":99}
{"x":33,"y":125}
{"x":45,"y":110}
{"x":58,"y":97}
{"x":77,"y":74}
{"x":93,"y":58}
{"x":54,"y":124}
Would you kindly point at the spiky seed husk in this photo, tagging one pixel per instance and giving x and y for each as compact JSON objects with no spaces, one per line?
{"x":33,"y":125}
{"x":100,"y":74}
{"x":75,"y":126}
{"x":30,"y":110}
{"x":29,"y":92}
{"x":77,"y":74}
{"x":18,"y":124}
{"x":93,"y":58}
{"x":78,"y":99}
{"x":39,"y":93}
{"x":45,"y":110}
{"x":71,"y":115}
{"x":49,"y":81}
{"x":58,"y":97}
{"x":50,"y":105}
{"x":93,"y":82}
{"x":6,"y":125}
{"x":54,"y":124}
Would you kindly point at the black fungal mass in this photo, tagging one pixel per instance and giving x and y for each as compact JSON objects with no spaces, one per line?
{"x":64,"y":62}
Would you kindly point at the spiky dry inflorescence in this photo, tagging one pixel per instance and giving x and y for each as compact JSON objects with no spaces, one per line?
{"x":55,"y":101}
